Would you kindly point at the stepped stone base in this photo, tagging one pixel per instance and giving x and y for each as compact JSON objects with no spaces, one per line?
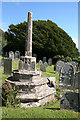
{"x":40,"y":102}
{"x":35,"y":93}
{"x":26,"y":76}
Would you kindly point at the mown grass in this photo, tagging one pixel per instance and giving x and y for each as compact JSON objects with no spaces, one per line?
{"x":50,"y":110}
{"x":47,"y":111}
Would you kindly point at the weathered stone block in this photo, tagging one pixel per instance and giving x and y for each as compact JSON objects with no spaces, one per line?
{"x":66,"y":78}
{"x":17,"y":55}
{"x":44,"y":59}
{"x":43,"y":68}
{"x":40,"y":62}
{"x":69,"y":101}
{"x":59,"y":66}
{"x":50,"y":61}
{"x":7,"y":66}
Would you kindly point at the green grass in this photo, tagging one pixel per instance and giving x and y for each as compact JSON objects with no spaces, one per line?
{"x":47,"y":111}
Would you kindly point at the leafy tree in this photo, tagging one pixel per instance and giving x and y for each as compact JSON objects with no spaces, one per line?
{"x":3,"y":41}
{"x":48,"y":39}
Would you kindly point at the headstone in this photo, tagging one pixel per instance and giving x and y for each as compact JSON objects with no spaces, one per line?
{"x":6,"y":54}
{"x":69,"y":101}
{"x":59,"y":65}
{"x":40,"y":62}
{"x":43,"y":68}
{"x":1,"y":52}
{"x":50,"y":61}
{"x":11,"y":55}
{"x":35,"y":55}
{"x":44,"y":59}
{"x":7,"y":66}
{"x":17,"y":55}
{"x":2,"y":62}
{"x":46,"y":65}
{"x":66,"y":78}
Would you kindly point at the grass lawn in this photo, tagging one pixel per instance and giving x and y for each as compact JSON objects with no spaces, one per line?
{"x":50,"y":110}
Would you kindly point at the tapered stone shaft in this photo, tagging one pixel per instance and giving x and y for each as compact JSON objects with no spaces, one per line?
{"x":28,"y":45}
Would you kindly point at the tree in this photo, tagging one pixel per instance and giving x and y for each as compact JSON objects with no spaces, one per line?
{"x":48,"y":40}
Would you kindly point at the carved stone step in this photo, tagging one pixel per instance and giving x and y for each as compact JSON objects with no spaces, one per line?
{"x":40,"y":102}
{"x":36,"y":96}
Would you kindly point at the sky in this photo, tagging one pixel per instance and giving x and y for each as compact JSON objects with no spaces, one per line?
{"x":64,"y":14}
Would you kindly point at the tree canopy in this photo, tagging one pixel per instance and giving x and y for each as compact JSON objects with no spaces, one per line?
{"x":47,"y":39}
{"x":3,"y":41}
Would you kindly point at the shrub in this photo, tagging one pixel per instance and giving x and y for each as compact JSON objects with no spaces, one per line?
{"x":68,"y":59}
{"x":9,"y":93}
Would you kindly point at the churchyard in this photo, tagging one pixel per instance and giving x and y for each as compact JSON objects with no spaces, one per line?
{"x":40,"y":89}
{"x":49,"y":110}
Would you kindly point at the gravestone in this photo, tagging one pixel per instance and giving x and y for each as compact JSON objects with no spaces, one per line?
{"x":66,"y":78}
{"x":43,"y":68}
{"x":50,"y":61}
{"x":6,"y":54}
{"x":17,"y":55}
{"x":11,"y":55}
{"x":1,"y":52}
{"x":2,"y":62}
{"x":7,"y":66}
{"x":46,"y":65}
{"x":35,"y":55}
{"x":69,"y":101}
{"x":59,"y":65}
{"x":44,"y":59}
{"x":40,"y":62}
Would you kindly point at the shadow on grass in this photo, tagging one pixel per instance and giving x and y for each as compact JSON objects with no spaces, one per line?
{"x":53,"y":108}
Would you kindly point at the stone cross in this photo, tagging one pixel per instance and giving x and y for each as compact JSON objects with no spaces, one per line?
{"x":28,"y":45}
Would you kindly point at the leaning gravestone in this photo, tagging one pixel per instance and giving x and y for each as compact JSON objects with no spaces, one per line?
{"x":69,"y":101}
{"x":43,"y":68}
{"x":7,"y":66}
{"x":17,"y":55}
{"x":11,"y":55}
{"x":46,"y":65}
{"x":40,"y":62}
{"x":59,"y":65}
{"x":44,"y":59}
{"x":66,"y":79}
{"x":50,"y":61}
